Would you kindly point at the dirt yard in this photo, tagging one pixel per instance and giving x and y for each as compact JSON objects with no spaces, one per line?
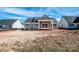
{"x":39,"y":41}
{"x":18,"y":35}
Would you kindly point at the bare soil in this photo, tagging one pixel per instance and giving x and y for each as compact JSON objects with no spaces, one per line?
{"x":55,"y":40}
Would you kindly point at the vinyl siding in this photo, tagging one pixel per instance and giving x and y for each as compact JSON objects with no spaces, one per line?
{"x":17,"y":24}
{"x":63,"y":23}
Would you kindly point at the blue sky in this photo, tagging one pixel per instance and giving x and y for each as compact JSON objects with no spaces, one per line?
{"x":22,"y":13}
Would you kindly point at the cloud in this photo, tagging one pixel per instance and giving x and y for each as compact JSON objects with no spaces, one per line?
{"x":23,"y":12}
{"x":31,"y":13}
{"x":53,"y":10}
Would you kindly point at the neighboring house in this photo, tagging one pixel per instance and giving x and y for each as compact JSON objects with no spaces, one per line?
{"x":69,"y":22}
{"x":10,"y":24}
{"x":43,"y":22}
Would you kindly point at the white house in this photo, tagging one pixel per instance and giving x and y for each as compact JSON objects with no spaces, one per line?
{"x":10,"y":24}
{"x":43,"y":22}
{"x":69,"y":22}
{"x":17,"y":24}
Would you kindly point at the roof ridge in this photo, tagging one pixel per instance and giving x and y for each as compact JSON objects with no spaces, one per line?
{"x":70,"y":16}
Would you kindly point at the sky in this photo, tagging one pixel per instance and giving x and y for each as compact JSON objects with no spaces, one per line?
{"x":22,"y":13}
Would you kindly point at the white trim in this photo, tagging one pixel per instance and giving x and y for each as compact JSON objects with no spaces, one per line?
{"x":45,"y":28}
{"x":31,"y":23}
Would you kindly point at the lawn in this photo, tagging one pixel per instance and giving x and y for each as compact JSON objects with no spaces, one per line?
{"x":56,"y":40}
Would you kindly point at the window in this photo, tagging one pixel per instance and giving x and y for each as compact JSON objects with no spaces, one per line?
{"x":36,"y":25}
{"x":27,"y":24}
{"x":77,"y":25}
{"x":71,"y":25}
{"x":0,"y":26}
{"x":44,"y":25}
{"x":4,"y":26}
{"x":10,"y":26}
{"x":54,"y":24}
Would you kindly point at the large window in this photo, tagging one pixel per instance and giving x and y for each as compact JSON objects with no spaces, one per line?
{"x":71,"y":25}
{"x":44,"y":25}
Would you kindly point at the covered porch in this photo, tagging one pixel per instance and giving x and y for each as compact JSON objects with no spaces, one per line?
{"x":45,"y":24}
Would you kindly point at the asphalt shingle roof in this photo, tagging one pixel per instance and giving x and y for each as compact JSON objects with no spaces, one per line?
{"x":76,"y":20}
{"x":44,"y":17}
{"x":72,"y":19}
{"x":35,"y":19}
{"x":7,"y":21}
{"x":31,"y":19}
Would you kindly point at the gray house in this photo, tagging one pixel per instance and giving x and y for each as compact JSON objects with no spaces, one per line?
{"x":43,"y":22}
{"x":69,"y":22}
{"x":10,"y":24}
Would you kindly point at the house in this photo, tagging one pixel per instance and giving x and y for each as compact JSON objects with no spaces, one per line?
{"x":69,"y":22}
{"x":10,"y":24}
{"x":43,"y":22}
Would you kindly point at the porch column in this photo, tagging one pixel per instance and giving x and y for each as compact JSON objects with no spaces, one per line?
{"x":52,"y":24}
{"x":33,"y":26}
{"x":38,"y":24}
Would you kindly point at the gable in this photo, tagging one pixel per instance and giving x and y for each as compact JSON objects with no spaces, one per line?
{"x":44,"y":17}
{"x":63,"y":20}
{"x":76,"y":20}
{"x":69,"y":19}
{"x":63,"y":23}
{"x":17,"y":24}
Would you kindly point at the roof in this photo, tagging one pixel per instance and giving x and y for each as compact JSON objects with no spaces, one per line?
{"x":31,"y":19}
{"x":7,"y":21}
{"x":45,"y":17}
{"x":35,"y":19}
{"x":76,"y":20}
{"x":72,"y":19}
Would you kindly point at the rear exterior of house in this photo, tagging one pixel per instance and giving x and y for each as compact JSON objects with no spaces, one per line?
{"x":43,"y":22}
{"x":69,"y":22}
{"x":10,"y":24}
